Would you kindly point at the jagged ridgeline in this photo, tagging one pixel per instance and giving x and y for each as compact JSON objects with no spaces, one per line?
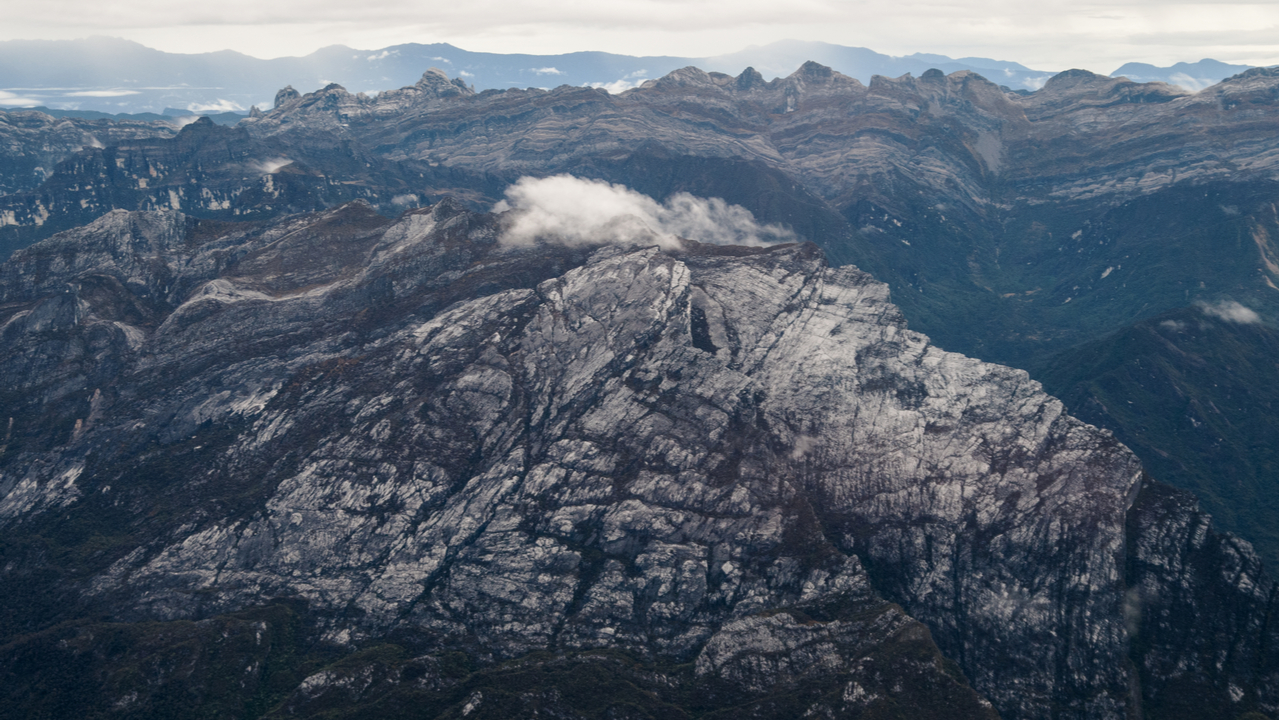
{"x":270,"y":452}
{"x":1042,"y":230}
{"x":342,"y":465}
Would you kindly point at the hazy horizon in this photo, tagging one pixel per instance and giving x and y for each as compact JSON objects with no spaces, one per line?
{"x":1095,"y":36}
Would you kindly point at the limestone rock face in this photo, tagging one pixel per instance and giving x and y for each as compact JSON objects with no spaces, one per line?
{"x":32,"y":144}
{"x":738,"y":458}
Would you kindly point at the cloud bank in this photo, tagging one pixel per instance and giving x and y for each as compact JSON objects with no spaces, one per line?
{"x":1056,"y":34}
{"x":573,"y":211}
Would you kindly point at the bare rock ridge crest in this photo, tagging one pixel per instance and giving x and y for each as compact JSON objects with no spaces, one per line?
{"x":735,"y":461}
{"x":1018,"y":228}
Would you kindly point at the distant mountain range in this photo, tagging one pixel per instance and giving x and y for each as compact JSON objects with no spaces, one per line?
{"x":119,"y":76}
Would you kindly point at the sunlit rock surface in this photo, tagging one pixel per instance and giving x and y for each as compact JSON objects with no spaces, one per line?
{"x":731,"y":457}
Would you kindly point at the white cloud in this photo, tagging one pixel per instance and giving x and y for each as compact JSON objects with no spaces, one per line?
{"x":547,"y":71}
{"x":618,"y":86}
{"x":220,"y":106}
{"x":573,"y":211}
{"x":1052,"y":35}
{"x":8,"y":99}
{"x":1231,"y":311}
{"x":270,"y":166}
{"x":102,"y":93}
{"x":381,"y":56}
{"x":1190,"y":83}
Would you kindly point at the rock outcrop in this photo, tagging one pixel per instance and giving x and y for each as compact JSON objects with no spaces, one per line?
{"x":738,"y":458}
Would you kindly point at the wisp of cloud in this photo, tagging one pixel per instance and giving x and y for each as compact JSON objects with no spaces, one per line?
{"x":1231,"y":311}
{"x":573,"y":211}
{"x":269,"y":166}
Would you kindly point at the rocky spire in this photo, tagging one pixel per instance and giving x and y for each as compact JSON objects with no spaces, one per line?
{"x":286,"y":95}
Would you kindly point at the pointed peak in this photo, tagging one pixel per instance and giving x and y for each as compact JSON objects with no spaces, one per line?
{"x":685,"y":76}
{"x":750,"y":79}
{"x":432,"y":76}
{"x":1068,"y":78}
{"x":437,"y":82}
{"x":286,"y":95}
{"x":811,"y":71}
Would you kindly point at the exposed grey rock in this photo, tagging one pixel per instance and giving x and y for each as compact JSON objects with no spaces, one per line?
{"x":286,"y":95}
{"x":410,"y":425}
{"x":32,"y":144}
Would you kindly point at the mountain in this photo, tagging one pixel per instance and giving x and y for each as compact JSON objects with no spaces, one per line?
{"x":1198,"y":379}
{"x":782,"y":58}
{"x":1190,"y":76}
{"x":170,"y":115}
{"x":1009,"y":227}
{"x":344,"y":465}
{"x":219,"y":172}
{"x":119,"y":76}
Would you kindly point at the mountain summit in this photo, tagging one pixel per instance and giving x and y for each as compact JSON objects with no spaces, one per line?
{"x":418,"y":459}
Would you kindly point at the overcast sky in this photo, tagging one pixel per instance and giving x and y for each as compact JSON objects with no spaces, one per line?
{"x":1049,"y":35}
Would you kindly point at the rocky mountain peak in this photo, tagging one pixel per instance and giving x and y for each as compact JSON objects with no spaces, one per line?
{"x":1076,"y":77}
{"x":437,"y":83}
{"x":1080,"y":83}
{"x":1262,"y":80}
{"x":411,"y":418}
{"x":684,"y":78}
{"x":286,"y":95}
{"x":750,"y":79}
{"x":199,"y":126}
{"x":813,"y":72}
{"x":812,"y":75}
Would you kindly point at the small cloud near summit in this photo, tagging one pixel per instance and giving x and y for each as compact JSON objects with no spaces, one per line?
{"x":219,"y":106}
{"x":1231,"y":311}
{"x":619,"y":86}
{"x":573,"y":211}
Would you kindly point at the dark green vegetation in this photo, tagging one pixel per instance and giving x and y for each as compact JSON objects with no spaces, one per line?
{"x":230,"y":666}
{"x":1098,"y":303}
{"x":1019,"y":286}
{"x":1163,"y":604}
{"x":268,"y":662}
{"x":1191,"y":393}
